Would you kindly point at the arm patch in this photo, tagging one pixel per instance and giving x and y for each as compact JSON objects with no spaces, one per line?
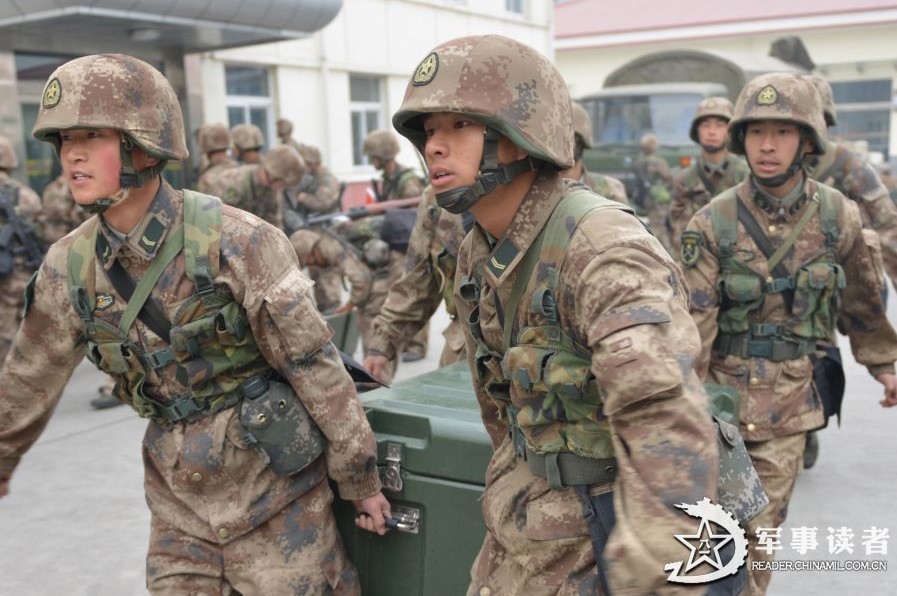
{"x":690,"y":248}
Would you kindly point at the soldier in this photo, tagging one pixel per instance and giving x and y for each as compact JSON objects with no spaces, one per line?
{"x":248,"y":141}
{"x":606,"y":186}
{"x":60,"y":214}
{"x":214,"y":142}
{"x":429,"y":278}
{"x":285,"y":134}
{"x":714,"y":171}
{"x":227,"y":337}
{"x":397,"y":182}
{"x":595,"y":295}
{"x":653,"y":187}
{"x":367,"y":271}
{"x":768,"y":263}
{"x":888,"y":179}
{"x":318,"y":193}
{"x":256,"y":188}
{"x":21,"y":248}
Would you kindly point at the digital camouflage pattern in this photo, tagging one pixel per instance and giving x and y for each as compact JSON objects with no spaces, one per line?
{"x":427,"y":280}
{"x":208,"y":490}
{"x":285,"y":134}
{"x":60,"y":213}
{"x":319,"y":192}
{"x":654,"y":182}
{"x":247,"y":137}
{"x":606,"y":186}
{"x":207,"y":182}
{"x":8,"y":158}
{"x":490,"y":79}
{"x":826,"y":96}
{"x":720,"y":107}
{"x":12,"y":287}
{"x":622,"y":298}
{"x":691,"y":191}
{"x":242,"y":187}
{"x":380,"y":143}
{"x":213,"y":137}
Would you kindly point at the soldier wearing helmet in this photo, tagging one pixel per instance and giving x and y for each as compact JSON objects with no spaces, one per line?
{"x":654,"y":183}
{"x":21,"y":243}
{"x":248,"y":141}
{"x":606,"y":186}
{"x":549,"y":268}
{"x":257,"y":188}
{"x":285,"y":134}
{"x":214,"y":142}
{"x":771,"y":264}
{"x":712,"y":172}
{"x":218,"y":329}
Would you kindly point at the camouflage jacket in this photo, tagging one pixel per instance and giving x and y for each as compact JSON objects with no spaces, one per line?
{"x":429,"y":272}
{"x":28,"y":207}
{"x":777,"y":398}
{"x":622,"y":297}
{"x":241,"y":187}
{"x":319,"y":193}
{"x":338,"y":255}
{"x":206,"y":183}
{"x":403,"y":183}
{"x":606,"y":186}
{"x":205,"y":478}
{"x":60,"y":214}
{"x":690,"y":191}
{"x":846,"y":171}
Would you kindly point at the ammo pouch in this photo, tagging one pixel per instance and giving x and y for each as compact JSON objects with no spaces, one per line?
{"x":828,"y":378}
{"x":279,"y":425}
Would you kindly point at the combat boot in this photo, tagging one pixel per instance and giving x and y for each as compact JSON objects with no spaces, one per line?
{"x":811,"y":450}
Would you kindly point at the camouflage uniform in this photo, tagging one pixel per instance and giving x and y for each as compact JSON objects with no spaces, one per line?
{"x":248,"y":141}
{"x":222,"y":520}
{"x":285,"y":134}
{"x":12,"y":287}
{"x":619,"y":296}
{"x":60,"y":214}
{"x":606,"y":186}
{"x":778,"y":402}
{"x":655,"y":181}
{"x":214,"y":141}
{"x":428,"y":279}
{"x":242,"y":188}
{"x":889,"y":180}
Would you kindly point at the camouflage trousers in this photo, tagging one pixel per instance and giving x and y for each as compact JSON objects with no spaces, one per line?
{"x":537,"y":540}
{"x":12,"y":299}
{"x":778,"y":462}
{"x":419,"y":343}
{"x":453,"y":350}
{"x":328,"y":287}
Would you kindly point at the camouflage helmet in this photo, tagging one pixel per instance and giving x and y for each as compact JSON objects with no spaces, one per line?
{"x":826,"y":96}
{"x":310,"y":153}
{"x":779,"y":96}
{"x":501,"y":83}
{"x":382,"y":144}
{"x":8,"y":159}
{"x":114,"y":91}
{"x":582,"y":124}
{"x":214,"y":137}
{"x":720,"y":107}
{"x":304,"y":241}
{"x":284,"y":163}
{"x":649,"y":143}
{"x":247,"y":137}
{"x":284,"y":128}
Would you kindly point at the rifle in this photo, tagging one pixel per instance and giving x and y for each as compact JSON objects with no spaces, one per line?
{"x":17,"y":237}
{"x":364,"y":211}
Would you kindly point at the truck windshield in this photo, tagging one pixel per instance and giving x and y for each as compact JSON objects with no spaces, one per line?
{"x":622,"y":120}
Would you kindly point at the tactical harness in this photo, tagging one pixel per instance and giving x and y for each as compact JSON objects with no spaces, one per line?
{"x":810,"y":294}
{"x":210,"y":341}
{"x":18,"y":240}
{"x":559,"y":427}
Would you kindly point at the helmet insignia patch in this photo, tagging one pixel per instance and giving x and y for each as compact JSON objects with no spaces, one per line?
{"x":426,"y":70}
{"x":767,"y":96}
{"x":52,"y":94}
{"x":711,"y":103}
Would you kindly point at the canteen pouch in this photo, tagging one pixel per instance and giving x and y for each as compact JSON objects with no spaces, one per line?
{"x":278,"y":424}
{"x":739,"y":490}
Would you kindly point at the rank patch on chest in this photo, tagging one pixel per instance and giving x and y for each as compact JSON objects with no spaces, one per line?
{"x":690,"y":248}
{"x":104,"y":301}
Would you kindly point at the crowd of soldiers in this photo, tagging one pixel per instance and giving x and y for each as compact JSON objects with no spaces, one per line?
{"x":737,"y":276}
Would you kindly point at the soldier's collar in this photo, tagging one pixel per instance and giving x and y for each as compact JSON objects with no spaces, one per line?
{"x":148,"y":235}
{"x":713,"y":168}
{"x":787,"y":205}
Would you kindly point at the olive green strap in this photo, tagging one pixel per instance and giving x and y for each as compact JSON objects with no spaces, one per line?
{"x":792,"y":237}
{"x":166,"y":255}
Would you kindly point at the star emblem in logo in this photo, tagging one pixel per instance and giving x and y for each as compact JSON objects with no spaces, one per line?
{"x":426,"y":70}
{"x":704,"y":546}
{"x":52,"y":93}
{"x":767,"y":96}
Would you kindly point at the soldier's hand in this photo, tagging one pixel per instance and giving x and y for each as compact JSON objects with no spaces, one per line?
{"x":376,"y":364}
{"x":889,"y":380}
{"x":374,"y":511}
{"x":4,"y":485}
{"x":347,"y":307}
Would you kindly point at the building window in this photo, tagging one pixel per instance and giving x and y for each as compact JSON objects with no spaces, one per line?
{"x":366,"y":107}
{"x":249,"y":98}
{"x":514,"y":6}
{"x":863,"y":113}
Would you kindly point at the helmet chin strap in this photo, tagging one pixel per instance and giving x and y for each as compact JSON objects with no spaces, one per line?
{"x":490,"y":176}
{"x":713,"y":148}
{"x":128,"y":178}
{"x":780,"y":179}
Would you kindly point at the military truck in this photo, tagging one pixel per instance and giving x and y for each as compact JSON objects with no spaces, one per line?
{"x":659,"y":93}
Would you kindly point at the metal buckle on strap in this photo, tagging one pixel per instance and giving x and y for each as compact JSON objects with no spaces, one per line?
{"x":159,"y":358}
{"x":780,"y":285}
{"x":179,"y":409}
{"x":767,"y":329}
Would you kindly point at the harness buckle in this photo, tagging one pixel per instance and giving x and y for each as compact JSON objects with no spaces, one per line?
{"x":159,"y":358}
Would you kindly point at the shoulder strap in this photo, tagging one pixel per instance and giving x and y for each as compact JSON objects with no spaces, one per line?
{"x":202,"y":240}
{"x":81,"y":267}
{"x":556,"y":235}
{"x":723,"y":214}
{"x":710,"y":186}
{"x":830,"y":212}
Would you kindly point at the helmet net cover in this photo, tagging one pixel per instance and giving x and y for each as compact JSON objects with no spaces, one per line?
{"x":499,"y":82}
{"x":118,"y":92}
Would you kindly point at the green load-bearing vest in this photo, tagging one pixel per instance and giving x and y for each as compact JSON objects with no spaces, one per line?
{"x":211,"y":341}
{"x":810,"y":293}
{"x":558,"y":407}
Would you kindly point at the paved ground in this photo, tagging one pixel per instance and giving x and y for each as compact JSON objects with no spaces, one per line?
{"x":76,"y":522}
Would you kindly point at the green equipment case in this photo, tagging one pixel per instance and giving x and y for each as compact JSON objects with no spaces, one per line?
{"x":433,"y":451}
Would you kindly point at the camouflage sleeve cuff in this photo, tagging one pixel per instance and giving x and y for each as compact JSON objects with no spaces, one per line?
{"x":361,"y":488}
{"x":380,"y":344}
{"x":879,"y":369}
{"x":7,"y":465}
